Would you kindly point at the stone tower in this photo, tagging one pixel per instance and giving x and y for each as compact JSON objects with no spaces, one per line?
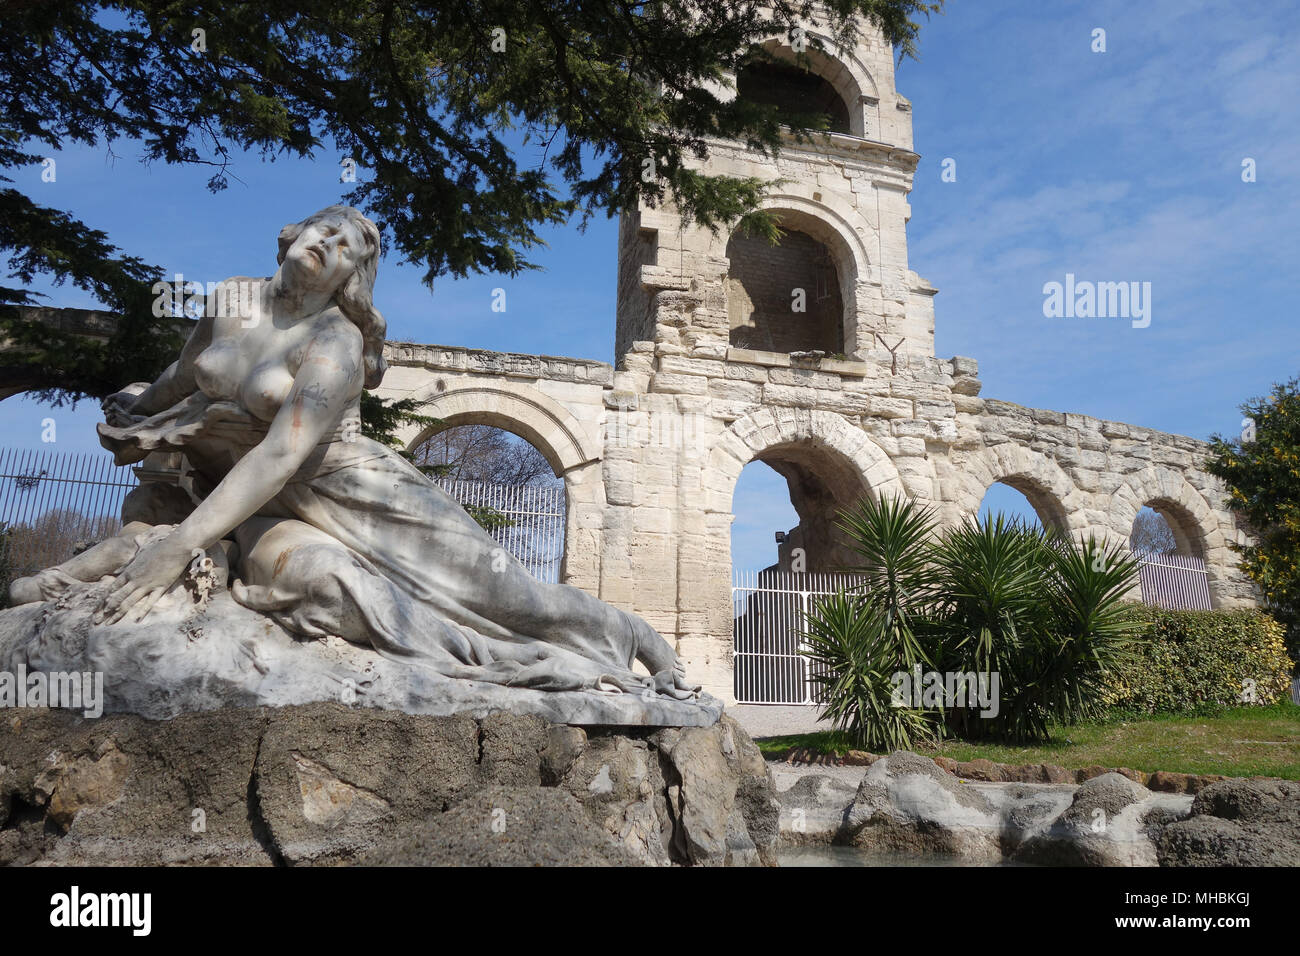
{"x":815,"y":356}
{"x":843,"y":203}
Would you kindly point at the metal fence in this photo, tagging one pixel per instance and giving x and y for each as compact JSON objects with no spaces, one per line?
{"x":768,"y":612}
{"x":1174,"y":581}
{"x":51,"y":502}
{"x":535,"y":533}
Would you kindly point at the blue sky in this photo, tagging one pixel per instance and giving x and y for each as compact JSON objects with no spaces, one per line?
{"x":1115,"y":166}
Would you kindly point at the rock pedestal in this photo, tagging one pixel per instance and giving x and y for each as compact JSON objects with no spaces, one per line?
{"x":329,"y":784}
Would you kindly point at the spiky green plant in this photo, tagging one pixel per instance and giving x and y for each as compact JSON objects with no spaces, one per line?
{"x":1039,"y":610}
{"x":892,"y":540}
{"x":1096,"y":634}
{"x":993,"y":598}
{"x":853,"y":660}
{"x":990,"y":616}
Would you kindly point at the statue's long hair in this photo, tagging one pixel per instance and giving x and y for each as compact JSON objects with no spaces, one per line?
{"x":355,"y":298}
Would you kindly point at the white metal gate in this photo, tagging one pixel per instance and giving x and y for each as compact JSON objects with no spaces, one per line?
{"x":769,"y":610}
{"x":1174,"y":581}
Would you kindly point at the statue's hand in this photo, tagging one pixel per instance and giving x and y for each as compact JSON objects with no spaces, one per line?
{"x":143,"y":581}
{"x":119,"y":408}
{"x":671,"y":682}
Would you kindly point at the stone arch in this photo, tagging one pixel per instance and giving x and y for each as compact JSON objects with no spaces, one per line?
{"x":545,"y":424}
{"x":1038,"y":477}
{"x":842,"y":69}
{"x":783,"y":435}
{"x":517,"y":408}
{"x":1196,"y":525}
{"x":1188,"y":539}
{"x":821,"y":221}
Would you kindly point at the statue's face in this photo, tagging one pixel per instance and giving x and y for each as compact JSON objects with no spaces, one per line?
{"x":325,"y":254}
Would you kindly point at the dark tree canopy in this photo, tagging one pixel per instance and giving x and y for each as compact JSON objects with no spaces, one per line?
{"x":422,"y":95}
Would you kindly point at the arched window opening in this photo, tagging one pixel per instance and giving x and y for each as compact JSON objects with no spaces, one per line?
{"x":784,"y":297}
{"x":1153,"y":534}
{"x":1171,"y":552}
{"x":803,"y":99}
{"x":507,"y":485}
{"x":786,"y":550}
{"x":485,"y":453}
{"x":1020,"y":501}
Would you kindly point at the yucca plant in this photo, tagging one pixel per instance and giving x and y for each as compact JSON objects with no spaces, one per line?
{"x":1089,"y":582}
{"x":992,"y":618}
{"x":988,"y":598}
{"x":858,"y":641}
{"x":1038,"y":609}
{"x":853,"y":661}
{"x":892,"y":539}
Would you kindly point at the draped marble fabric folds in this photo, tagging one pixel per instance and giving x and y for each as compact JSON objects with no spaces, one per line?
{"x":360,"y":544}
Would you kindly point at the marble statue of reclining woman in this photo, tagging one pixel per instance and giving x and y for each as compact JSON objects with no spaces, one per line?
{"x":332,"y":533}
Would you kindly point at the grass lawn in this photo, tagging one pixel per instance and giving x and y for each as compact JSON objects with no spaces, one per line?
{"x":1243,"y":742}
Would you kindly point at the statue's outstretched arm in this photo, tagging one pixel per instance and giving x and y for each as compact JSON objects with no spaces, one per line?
{"x":327,"y":383}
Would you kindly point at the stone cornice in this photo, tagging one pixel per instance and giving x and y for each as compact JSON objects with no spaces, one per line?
{"x":838,"y":145}
{"x":454,"y":358}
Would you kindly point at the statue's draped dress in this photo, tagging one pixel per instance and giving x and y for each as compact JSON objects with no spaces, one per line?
{"x":384,"y":557}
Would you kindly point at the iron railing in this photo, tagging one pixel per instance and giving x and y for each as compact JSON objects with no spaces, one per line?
{"x":769,"y":609}
{"x":1174,"y":581}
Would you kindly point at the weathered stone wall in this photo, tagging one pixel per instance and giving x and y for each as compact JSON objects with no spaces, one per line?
{"x":650,"y":455}
{"x":1085,"y":475}
{"x":636,"y":248}
{"x":651,"y":448}
{"x":847,"y":194}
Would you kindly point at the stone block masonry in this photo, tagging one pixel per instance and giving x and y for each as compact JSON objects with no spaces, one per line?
{"x":713,"y":370}
{"x":650,"y":455}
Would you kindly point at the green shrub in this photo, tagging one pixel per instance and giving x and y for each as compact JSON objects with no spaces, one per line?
{"x":996,"y":605}
{"x":854,"y":653}
{"x":1197,"y":662}
{"x":858,"y":641}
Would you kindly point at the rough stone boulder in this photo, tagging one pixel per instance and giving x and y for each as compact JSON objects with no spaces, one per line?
{"x":1106,"y":824}
{"x":907,"y":804}
{"x":506,"y":826}
{"x":1254,"y":822}
{"x":328,"y":784}
{"x":813,"y":810}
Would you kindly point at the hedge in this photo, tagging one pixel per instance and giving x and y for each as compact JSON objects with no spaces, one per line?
{"x":1194,"y":662}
